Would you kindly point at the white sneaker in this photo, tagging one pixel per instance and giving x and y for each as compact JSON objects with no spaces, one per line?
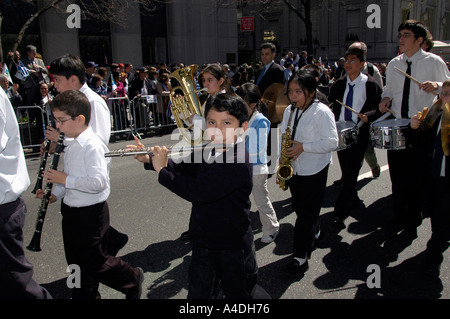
{"x":267,"y":239}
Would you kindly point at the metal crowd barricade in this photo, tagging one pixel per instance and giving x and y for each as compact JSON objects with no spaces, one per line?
{"x":122,"y":120}
{"x":32,"y":123}
{"x":149,"y":113}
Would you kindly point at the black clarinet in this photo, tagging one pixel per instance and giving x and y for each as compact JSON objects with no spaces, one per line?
{"x":42,"y":166}
{"x":44,"y":156}
{"x":35,"y":244}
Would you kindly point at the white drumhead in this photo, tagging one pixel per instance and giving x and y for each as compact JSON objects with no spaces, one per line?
{"x":392,"y":123}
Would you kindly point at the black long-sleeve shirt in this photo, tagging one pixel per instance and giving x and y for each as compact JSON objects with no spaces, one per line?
{"x":220,"y":197}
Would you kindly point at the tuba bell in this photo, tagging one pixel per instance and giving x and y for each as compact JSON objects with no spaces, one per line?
{"x":185,"y":103}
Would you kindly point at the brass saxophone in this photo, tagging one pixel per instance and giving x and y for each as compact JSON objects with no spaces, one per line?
{"x":285,"y":170}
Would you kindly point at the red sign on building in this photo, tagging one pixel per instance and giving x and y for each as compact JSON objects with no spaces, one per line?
{"x":248,"y":24}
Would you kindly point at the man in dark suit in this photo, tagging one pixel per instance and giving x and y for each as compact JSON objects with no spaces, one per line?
{"x":360,"y":92}
{"x":271,"y":72}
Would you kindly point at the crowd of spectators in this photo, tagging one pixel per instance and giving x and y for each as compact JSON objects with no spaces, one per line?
{"x":35,"y":86}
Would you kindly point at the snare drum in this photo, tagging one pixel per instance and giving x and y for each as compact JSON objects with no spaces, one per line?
{"x":348,"y":134}
{"x":390,"y":134}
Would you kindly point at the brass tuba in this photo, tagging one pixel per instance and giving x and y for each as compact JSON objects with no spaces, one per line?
{"x":285,"y":170}
{"x":185,"y":102}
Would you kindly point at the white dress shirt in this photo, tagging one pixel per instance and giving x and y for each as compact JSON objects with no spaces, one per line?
{"x":100,"y":116}
{"x":87,"y":171}
{"x":425,"y":67}
{"x":317,"y":131}
{"x":14,"y":179}
{"x":359,"y":96}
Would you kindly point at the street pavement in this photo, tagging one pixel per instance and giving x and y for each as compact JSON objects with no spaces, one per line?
{"x":359,"y":262}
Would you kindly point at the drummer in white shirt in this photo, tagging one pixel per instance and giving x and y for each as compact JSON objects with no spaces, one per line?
{"x":362,"y":93}
{"x":431,"y":71}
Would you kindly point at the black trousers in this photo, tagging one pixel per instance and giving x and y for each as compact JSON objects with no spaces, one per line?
{"x":406,"y":189}
{"x":85,"y":235}
{"x":16,"y":272}
{"x":235,"y":270}
{"x":307,"y":196}
{"x":351,"y":161}
{"x":440,"y":218}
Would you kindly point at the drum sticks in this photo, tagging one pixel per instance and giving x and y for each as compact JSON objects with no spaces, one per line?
{"x":411,"y":78}
{"x":348,"y":107}
{"x":368,"y":113}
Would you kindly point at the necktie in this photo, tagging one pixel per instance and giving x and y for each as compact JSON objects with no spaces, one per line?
{"x":349,"y":102}
{"x":406,"y":87}
{"x":261,"y":75}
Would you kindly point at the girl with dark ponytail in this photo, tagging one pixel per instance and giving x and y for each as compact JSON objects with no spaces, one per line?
{"x":256,"y":143}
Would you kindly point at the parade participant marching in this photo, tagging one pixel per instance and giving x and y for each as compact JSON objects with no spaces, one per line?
{"x":84,"y":187}
{"x":314,"y":137}
{"x":256,"y":144}
{"x":405,"y":98}
{"x":361,"y":93}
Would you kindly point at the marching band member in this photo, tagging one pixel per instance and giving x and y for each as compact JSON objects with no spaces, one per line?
{"x":361,"y":93}
{"x":432,"y":136}
{"x":219,"y":188}
{"x":215,"y":79}
{"x":256,"y":144}
{"x":84,"y":187}
{"x":16,"y":272}
{"x":70,"y":74}
{"x":406,"y":99}
{"x":314,"y":137}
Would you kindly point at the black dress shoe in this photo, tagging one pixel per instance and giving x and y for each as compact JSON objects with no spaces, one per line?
{"x":294,"y":268}
{"x":376,"y":172}
{"x":186,"y":235}
{"x":136,"y":292}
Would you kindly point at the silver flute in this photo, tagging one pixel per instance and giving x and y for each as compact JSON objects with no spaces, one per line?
{"x":173,"y":151}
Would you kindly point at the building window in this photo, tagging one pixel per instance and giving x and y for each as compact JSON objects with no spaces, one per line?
{"x":154,"y":36}
{"x":95,"y":42}
{"x":446,"y":27}
{"x":353,"y":25}
{"x":95,"y":48}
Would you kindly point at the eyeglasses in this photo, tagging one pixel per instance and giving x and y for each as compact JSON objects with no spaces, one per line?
{"x":405,"y":35}
{"x":61,"y":122}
